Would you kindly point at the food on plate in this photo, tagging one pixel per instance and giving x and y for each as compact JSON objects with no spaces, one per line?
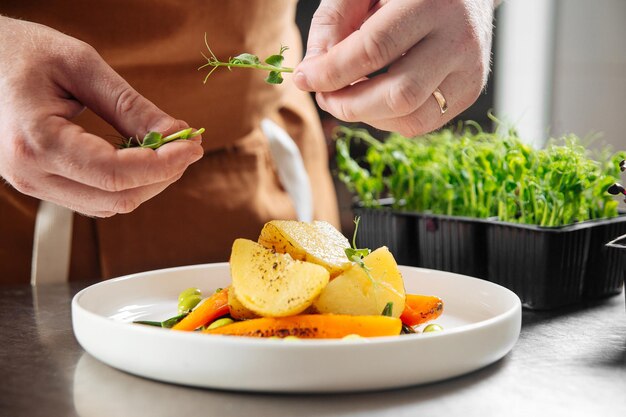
{"x":237,"y":310}
{"x":313,"y":326}
{"x":211,"y":308}
{"x":365,"y":290}
{"x":304,"y":280}
{"x":433,"y":327}
{"x":419,"y":309}
{"x":273,"y":284}
{"x":317,"y":242}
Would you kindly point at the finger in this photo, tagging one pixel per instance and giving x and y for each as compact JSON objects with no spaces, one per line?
{"x":85,"y":158}
{"x":382,"y":39}
{"x":428,"y":117}
{"x":399,"y":92}
{"x":95,"y":202}
{"x":89,"y":79}
{"x":333,"y":21}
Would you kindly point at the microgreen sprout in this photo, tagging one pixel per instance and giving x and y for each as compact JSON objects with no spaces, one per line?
{"x":273,"y":64}
{"x":469,"y":172}
{"x":356,"y":255}
{"x":154,"y":140}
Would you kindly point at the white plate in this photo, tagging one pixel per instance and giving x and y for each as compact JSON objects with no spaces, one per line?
{"x":481,"y":323}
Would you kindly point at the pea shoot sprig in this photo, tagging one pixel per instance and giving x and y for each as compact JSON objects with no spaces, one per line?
{"x":356,"y":255}
{"x":273,"y":64}
{"x":353,"y":253}
{"x":154,"y":140}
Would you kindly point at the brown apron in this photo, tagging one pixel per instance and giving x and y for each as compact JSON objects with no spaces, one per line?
{"x":155,"y":45}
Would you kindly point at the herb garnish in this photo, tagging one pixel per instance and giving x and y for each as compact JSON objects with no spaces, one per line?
{"x":166,"y":324}
{"x":356,"y":255}
{"x":388,"y":310}
{"x":273,"y":64}
{"x":154,"y":140}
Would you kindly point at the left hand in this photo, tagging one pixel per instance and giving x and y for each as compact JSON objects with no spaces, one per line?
{"x":425,"y":45}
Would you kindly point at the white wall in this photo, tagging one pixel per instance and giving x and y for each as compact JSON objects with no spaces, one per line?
{"x":589,"y":91}
{"x":523,"y":66}
{"x":561,"y":68}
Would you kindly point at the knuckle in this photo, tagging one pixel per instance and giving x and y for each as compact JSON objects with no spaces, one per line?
{"x":343,"y":111}
{"x":22,"y":150}
{"x":21,"y":184}
{"x":327,"y":15}
{"x":124,"y":204}
{"x":126,"y":100}
{"x":111,"y":181}
{"x":378,"y":48}
{"x":413,"y":125}
{"x":74,"y":54}
{"x":403,"y":97}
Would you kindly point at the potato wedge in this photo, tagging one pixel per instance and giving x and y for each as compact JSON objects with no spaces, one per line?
{"x":237,"y":310}
{"x":273,"y":284}
{"x":356,"y":293}
{"x":317,"y":242}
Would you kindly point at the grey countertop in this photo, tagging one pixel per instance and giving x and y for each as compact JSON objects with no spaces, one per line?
{"x":570,"y":362}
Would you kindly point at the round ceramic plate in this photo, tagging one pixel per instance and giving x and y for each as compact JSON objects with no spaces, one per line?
{"x":481,"y":322}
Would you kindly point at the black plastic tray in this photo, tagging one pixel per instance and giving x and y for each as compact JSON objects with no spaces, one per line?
{"x":546,"y":267}
{"x":446,"y":243}
{"x":604,"y":275}
{"x":617,"y":247}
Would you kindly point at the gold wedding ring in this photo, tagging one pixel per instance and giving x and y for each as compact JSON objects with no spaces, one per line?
{"x":441,"y":100}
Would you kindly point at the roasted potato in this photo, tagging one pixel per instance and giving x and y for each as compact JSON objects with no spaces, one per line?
{"x":237,"y":310}
{"x":272,"y":284}
{"x":361,"y":292}
{"x":317,"y":242}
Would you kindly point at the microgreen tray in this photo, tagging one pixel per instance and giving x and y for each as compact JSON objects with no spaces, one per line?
{"x":546,"y":267}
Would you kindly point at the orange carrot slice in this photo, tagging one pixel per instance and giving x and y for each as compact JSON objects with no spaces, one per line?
{"x":211,"y":308}
{"x":313,"y":326}
{"x":419,"y":309}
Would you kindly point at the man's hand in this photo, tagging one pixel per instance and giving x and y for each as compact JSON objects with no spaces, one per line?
{"x":46,"y":79}
{"x":423,"y":44}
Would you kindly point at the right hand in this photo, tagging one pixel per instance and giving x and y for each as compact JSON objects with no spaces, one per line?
{"x":46,"y":79}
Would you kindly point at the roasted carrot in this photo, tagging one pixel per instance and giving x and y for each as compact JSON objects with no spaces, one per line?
{"x":313,"y":326}
{"x":419,"y":309}
{"x":211,"y":308}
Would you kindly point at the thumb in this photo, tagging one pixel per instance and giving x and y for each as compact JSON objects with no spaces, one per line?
{"x":333,"y":21}
{"x":97,"y":86}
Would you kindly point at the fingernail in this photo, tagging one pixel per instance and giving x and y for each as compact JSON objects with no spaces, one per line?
{"x":301,"y":81}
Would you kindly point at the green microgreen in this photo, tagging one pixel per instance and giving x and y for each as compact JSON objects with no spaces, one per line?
{"x":166,"y":324}
{"x":465,"y":171}
{"x":388,"y":310}
{"x":273,"y":64}
{"x":356,"y":255}
{"x":154,"y":140}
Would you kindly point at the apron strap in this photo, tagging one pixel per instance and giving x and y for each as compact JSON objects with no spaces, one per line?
{"x":290,"y":167}
{"x":52,"y":244}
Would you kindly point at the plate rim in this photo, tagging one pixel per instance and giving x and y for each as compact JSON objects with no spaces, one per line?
{"x":511,"y":311}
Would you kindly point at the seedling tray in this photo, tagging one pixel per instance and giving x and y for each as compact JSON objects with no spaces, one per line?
{"x":447,"y":243}
{"x":617,"y":247}
{"x":546,"y":267}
